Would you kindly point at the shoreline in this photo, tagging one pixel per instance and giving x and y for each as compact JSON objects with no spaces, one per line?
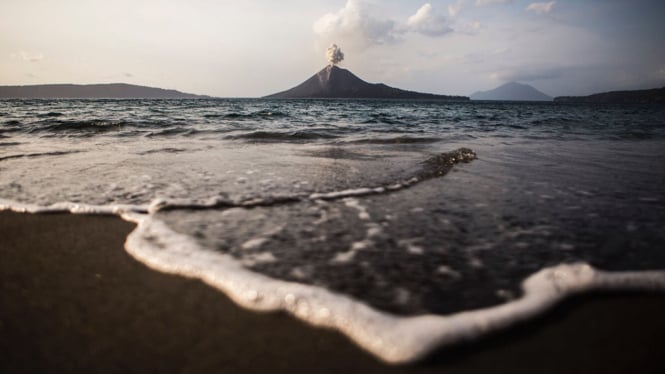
{"x":71,"y":299}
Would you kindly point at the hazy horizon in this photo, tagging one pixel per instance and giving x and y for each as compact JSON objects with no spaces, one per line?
{"x":254,"y":48}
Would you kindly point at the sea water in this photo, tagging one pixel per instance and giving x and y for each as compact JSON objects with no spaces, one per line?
{"x":403,"y":224}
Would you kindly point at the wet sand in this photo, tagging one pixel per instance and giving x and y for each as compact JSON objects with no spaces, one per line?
{"x":72,"y":300}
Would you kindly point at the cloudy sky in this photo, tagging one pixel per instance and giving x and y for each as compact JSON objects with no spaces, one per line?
{"x":247,"y":48}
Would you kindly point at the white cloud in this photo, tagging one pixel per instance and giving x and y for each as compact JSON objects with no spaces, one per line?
{"x":427,"y":22}
{"x":468,"y":27}
{"x":541,"y":8}
{"x":528,"y":73}
{"x":481,"y":3}
{"x":455,"y":9}
{"x":354,"y":26}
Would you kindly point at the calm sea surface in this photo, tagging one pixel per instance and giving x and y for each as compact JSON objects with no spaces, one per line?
{"x":347,"y":195}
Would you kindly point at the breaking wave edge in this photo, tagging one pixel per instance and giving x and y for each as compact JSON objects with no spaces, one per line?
{"x":393,"y":339}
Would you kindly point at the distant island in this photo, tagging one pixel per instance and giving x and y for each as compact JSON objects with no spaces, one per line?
{"x":91,"y":91}
{"x":512,"y":91}
{"x":333,"y":82}
{"x":655,"y":95}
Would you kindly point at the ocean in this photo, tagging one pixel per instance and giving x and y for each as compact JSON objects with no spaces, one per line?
{"x":405,"y":225}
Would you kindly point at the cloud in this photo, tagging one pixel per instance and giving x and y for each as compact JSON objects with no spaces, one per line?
{"x":427,"y":22}
{"x":527,"y":74}
{"x":354,"y":25}
{"x":28,"y":57}
{"x":482,"y":3}
{"x":468,"y":27}
{"x":455,"y":9}
{"x":541,"y":8}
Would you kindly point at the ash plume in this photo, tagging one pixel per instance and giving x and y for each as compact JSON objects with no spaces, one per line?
{"x":334,"y":55}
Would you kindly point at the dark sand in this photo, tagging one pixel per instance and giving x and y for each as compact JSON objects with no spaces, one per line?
{"x":72,"y":300}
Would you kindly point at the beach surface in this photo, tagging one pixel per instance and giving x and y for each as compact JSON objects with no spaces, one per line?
{"x":71,"y":299}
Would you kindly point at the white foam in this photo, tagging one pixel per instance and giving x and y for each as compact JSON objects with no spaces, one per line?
{"x":411,"y":246}
{"x":258,"y":258}
{"x":345,"y":257}
{"x":69,"y":207}
{"x":355,"y":204}
{"x":253,"y":243}
{"x":373,"y":230}
{"x":447,"y":270}
{"x":391,"y":338}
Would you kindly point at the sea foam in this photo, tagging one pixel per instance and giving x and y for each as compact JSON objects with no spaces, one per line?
{"x":391,"y":338}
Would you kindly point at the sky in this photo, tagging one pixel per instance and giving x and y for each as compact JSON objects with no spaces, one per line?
{"x":250,"y":48}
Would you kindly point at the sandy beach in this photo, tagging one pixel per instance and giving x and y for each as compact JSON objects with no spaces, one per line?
{"x":72,"y":300}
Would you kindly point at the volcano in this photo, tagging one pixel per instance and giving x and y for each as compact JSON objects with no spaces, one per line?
{"x":333,"y":82}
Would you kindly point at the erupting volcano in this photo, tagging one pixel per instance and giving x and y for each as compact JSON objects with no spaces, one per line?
{"x":334,"y":82}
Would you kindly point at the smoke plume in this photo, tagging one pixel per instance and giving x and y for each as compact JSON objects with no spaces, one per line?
{"x":334,"y":55}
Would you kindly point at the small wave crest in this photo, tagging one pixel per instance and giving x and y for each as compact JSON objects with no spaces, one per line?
{"x":49,"y":114}
{"x":75,"y":127}
{"x":163,"y":150}
{"x":396,"y":140}
{"x":274,"y":136}
{"x":261,"y":114}
{"x":41,"y":154}
{"x":9,"y":144}
{"x":173,"y":131}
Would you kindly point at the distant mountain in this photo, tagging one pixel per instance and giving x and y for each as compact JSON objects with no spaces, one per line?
{"x":91,"y":91}
{"x":334,"y":82}
{"x":512,"y":91}
{"x":655,"y":95}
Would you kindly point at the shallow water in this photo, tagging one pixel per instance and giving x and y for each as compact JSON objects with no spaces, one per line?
{"x":360,"y":198}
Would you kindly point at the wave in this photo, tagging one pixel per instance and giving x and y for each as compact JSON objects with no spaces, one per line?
{"x":9,"y":144}
{"x":93,"y":127}
{"x":394,"y":339}
{"x":273,"y":136}
{"x":433,"y":167}
{"x":50,"y":114}
{"x":75,"y":127}
{"x":391,"y":338}
{"x":396,"y":140}
{"x":261,"y":114}
{"x":384,"y":119}
{"x":164,"y":150}
{"x":173,"y":131}
{"x":41,"y":154}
